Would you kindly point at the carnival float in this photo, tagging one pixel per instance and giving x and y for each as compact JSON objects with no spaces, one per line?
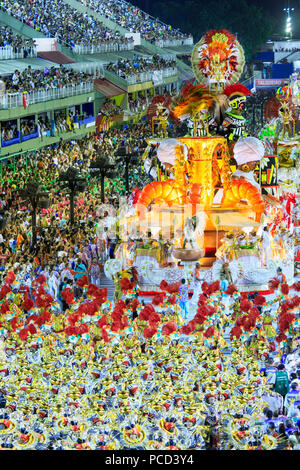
{"x":205,"y":207}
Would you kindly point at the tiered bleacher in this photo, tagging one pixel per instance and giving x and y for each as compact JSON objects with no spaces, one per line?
{"x":13,"y":46}
{"x":136,"y":20}
{"x":70,"y":27}
{"x":47,"y":100}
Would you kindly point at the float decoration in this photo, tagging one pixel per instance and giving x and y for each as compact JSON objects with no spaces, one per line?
{"x":218,"y":59}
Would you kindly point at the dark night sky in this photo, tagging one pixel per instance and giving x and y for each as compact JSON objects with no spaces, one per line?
{"x":273,"y":7}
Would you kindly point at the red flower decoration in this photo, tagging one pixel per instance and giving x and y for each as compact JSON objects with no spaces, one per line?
{"x":259,"y":300}
{"x":158,"y":299}
{"x":149,"y":332}
{"x":105,"y":336}
{"x":186,"y":329}
{"x":102,"y":321}
{"x":13,"y":323}
{"x":209,"y":332}
{"x":23,"y":334}
{"x":274,"y":283}
{"x":41,"y":279}
{"x":82,"y":281}
{"x":296,"y":286}
{"x":126,"y":284}
{"x":236,"y":332}
{"x":4,"y":291}
{"x":4,"y":307}
{"x":32,"y":329}
{"x":245,"y":305}
{"x":68,"y":295}
{"x":164,"y":285}
{"x":27,"y":305}
{"x":10,"y":278}
{"x":169,"y":328}
{"x":271,"y":346}
{"x":285,"y":289}
{"x":231,"y":289}
{"x":280,"y":338}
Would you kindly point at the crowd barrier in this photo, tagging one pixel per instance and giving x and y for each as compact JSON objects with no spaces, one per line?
{"x":9,"y":52}
{"x":157,"y":76}
{"x":102,"y":48}
{"x":174,"y":42}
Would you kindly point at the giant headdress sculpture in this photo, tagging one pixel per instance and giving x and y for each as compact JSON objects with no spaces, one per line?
{"x":218,"y":59}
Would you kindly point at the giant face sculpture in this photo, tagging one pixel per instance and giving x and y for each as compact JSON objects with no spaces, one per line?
{"x":218,"y":59}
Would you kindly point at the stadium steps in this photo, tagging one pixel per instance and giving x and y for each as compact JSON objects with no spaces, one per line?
{"x":105,"y":282}
{"x":57,"y":57}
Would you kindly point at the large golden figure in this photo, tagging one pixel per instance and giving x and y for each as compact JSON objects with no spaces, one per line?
{"x":161,"y":118}
{"x":288,"y":122}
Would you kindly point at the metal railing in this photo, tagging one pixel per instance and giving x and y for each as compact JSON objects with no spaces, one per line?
{"x":14,"y":100}
{"x":156,"y":76}
{"x":174,"y":42}
{"x":95,"y":68}
{"x":103,"y":48}
{"x":8,"y":52}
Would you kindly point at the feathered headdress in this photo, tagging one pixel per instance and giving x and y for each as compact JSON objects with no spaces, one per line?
{"x":218,"y":58}
{"x":237,"y":89}
{"x":195,"y":98}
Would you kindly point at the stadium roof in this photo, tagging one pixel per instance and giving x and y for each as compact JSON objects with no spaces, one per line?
{"x":8,"y":67}
{"x":107,"y":88}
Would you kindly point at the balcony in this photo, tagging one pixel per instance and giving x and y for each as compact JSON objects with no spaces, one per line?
{"x":15,"y":100}
{"x":174,"y":42}
{"x":102,"y":48}
{"x":157,"y":77}
{"x":8,"y":52}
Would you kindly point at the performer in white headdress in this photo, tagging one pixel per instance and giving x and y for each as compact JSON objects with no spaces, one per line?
{"x":247,"y":152}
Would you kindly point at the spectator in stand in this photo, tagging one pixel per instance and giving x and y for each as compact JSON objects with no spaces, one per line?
{"x":126,"y":68}
{"x":110,"y":109}
{"x":28,"y":126}
{"x":61,"y":21}
{"x":19,"y":45}
{"x":9,"y":130}
{"x":44,"y":80}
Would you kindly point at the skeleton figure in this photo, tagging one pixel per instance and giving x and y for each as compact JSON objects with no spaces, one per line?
{"x":201,"y":124}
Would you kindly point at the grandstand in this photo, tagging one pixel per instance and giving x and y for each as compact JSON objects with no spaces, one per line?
{"x":62,"y":64}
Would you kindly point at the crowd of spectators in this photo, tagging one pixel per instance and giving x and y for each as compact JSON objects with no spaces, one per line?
{"x":9,"y":130}
{"x":254,"y":110}
{"x":46,"y":79}
{"x":59,"y":20}
{"x":13,"y":40}
{"x":125,"y":68}
{"x":46,"y":165}
{"x":110,"y":109}
{"x":135,"y":20}
{"x":138,"y":104}
{"x":28,"y":126}
{"x":287,"y":49}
